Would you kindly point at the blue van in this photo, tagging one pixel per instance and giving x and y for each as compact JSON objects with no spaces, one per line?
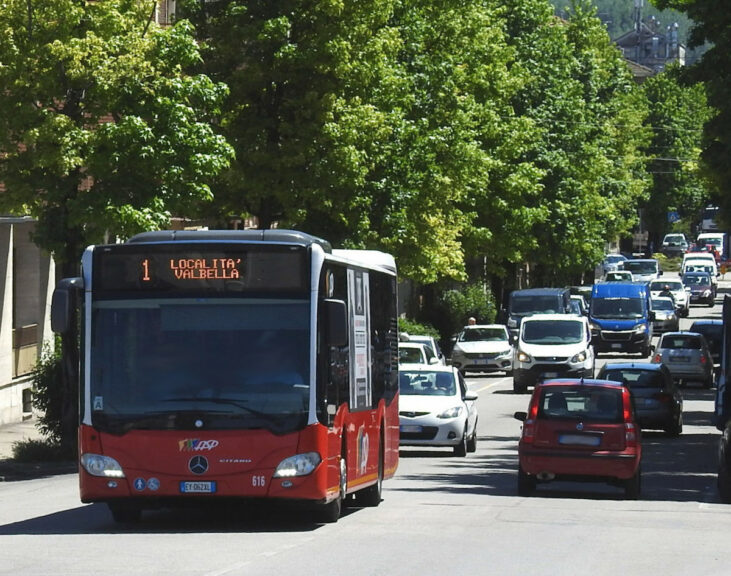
{"x":621,"y":317}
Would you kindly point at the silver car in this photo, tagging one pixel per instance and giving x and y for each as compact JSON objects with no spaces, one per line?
{"x":666,"y":317}
{"x":687,"y":356}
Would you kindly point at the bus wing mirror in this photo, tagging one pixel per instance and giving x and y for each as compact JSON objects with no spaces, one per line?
{"x":63,"y":304}
{"x":337,"y":322}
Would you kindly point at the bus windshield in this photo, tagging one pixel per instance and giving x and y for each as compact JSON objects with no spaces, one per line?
{"x":187,"y":363}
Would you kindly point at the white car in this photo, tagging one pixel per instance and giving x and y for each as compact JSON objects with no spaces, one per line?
{"x":415,"y":353}
{"x":483,"y":348}
{"x":552,"y":346}
{"x":430,"y":342}
{"x":681,"y":296}
{"x":436,"y":409}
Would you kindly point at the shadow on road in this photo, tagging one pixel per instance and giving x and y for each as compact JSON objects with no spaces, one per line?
{"x":679,"y":469}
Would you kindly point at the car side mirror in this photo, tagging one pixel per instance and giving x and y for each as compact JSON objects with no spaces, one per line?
{"x":522,"y":416}
{"x":652,"y":315}
{"x":470,"y":397}
{"x":434,"y":360}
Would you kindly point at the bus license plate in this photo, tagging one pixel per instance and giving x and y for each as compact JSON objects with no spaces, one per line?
{"x":198,"y":487}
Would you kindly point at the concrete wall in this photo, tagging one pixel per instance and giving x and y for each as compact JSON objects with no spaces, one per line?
{"x":27,"y":278}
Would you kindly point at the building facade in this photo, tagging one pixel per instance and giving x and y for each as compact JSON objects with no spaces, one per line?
{"x":27,"y":279}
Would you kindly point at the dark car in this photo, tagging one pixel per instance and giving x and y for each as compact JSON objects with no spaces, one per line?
{"x":580,"y":429}
{"x":658,"y":400}
{"x":701,"y":288}
{"x":712,"y":330}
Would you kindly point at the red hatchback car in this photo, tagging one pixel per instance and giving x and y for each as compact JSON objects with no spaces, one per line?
{"x":580,"y":429}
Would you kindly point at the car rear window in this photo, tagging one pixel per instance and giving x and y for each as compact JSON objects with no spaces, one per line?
{"x":636,"y":378}
{"x":410,"y":356}
{"x":581,"y":403}
{"x":676,"y":342}
{"x":427,"y":384}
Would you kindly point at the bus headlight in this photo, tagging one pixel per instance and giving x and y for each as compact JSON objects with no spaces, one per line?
{"x":298,"y":465}
{"x":99,"y":465}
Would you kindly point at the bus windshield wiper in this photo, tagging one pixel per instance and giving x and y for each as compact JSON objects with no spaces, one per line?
{"x":227,"y":401}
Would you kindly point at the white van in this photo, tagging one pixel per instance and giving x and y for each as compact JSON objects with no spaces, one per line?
{"x":699,"y":258}
{"x":552,"y":346}
{"x":715,"y":239}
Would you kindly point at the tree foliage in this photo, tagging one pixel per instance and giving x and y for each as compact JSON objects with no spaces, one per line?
{"x":100,"y":127}
{"x":589,"y":114}
{"x":712,"y":25}
{"x":677,"y":115}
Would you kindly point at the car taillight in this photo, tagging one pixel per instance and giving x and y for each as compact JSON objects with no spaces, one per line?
{"x":663,"y":397}
{"x":630,"y":430}
{"x":529,"y":426}
{"x":703,"y":360}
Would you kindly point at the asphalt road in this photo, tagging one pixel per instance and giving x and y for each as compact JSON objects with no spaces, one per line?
{"x":440,"y":514}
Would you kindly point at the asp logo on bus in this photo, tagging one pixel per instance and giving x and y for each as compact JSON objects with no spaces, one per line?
{"x":196,"y":445}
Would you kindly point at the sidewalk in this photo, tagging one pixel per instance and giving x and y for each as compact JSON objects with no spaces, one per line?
{"x":11,"y":433}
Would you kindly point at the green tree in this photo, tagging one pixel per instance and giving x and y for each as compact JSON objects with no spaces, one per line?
{"x":581,"y":96}
{"x":712,"y":26}
{"x":100,"y":128}
{"x":677,"y":115}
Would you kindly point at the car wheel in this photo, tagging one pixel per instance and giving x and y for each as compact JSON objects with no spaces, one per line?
{"x":519,"y":387}
{"x":675,"y":429}
{"x":472,"y":441}
{"x":708,"y":382}
{"x":633,"y":486}
{"x":526,"y":483}
{"x":461,"y":448}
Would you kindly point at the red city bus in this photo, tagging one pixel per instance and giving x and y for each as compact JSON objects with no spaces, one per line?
{"x":234,"y":364}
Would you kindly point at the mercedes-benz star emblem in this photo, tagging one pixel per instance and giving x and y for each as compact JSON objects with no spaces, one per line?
{"x":579,"y":426}
{"x":198,"y":465}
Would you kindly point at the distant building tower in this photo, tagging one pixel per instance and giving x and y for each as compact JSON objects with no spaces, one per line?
{"x":646,"y":48}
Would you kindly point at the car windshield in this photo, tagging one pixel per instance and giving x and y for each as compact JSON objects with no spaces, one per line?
{"x":581,"y":403}
{"x":672,"y":285}
{"x":641,"y":266}
{"x":674,"y":239}
{"x":614,"y":258}
{"x":527,"y":305}
{"x":680,"y":342}
{"x":662,"y":304}
{"x":553,"y":332}
{"x":633,"y":378}
{"x":622,"y":308}
{"x":483,"y":334}
{"x":697,"y":280}
{"x":619,"y":276}
{"x":423,"y":383}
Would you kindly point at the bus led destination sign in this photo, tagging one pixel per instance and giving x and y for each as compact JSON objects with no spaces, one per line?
{"x":199,"y":268}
